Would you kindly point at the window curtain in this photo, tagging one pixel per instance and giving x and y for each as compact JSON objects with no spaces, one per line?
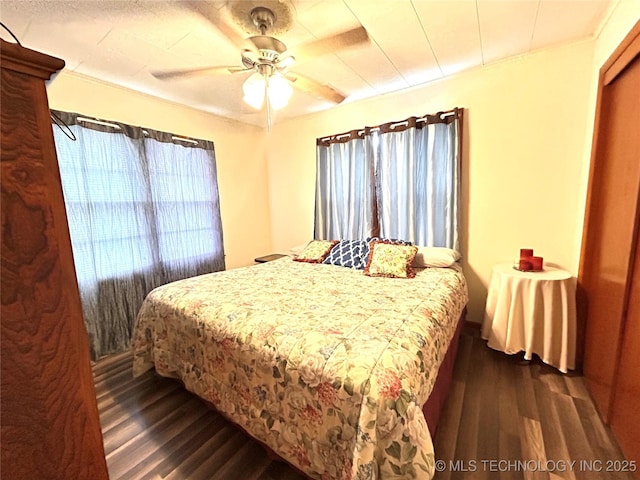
{"x":143,"y":210}
{"x":345,"y":191}
{"x":417,"y":166}
{"x":413,"y":177}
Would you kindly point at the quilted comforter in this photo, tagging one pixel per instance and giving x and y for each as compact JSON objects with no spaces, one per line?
{"x":326,"y":366}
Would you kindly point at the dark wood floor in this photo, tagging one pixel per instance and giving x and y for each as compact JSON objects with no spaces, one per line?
{"x":505,"y":419}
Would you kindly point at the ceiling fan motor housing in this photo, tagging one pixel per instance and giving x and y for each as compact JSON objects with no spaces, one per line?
{"x":268,"y":55}
{"x":268,"y":50}
{"x":263,"y":18}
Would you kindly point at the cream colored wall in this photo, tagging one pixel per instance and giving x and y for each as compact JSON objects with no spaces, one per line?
{"x":524,"y":153}
{"x":623,"y":17}
{"x":240,"y":157}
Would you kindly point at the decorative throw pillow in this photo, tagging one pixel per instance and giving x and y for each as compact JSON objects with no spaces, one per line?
{"x":315,"y":251}
{"x":349,"y":253}
{"x":436,"y":257}
{"x":390,"y":260}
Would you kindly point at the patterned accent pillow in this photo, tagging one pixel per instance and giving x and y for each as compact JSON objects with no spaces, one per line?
{"x":315,"y":251}
{"x":390,"y":260}
{"x":350,"y":254}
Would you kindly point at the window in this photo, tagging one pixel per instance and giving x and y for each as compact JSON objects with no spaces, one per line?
{"x":410,"y":173}
{"x":143,"y":210}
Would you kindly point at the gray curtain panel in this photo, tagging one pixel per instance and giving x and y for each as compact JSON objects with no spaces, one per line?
{"x":418,"y":184}
{"x":344,"y":190}
{"x":143,"y":210}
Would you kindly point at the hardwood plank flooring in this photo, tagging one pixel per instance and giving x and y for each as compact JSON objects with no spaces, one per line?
{"x":504,"y":419}
{"x":520,"y":420}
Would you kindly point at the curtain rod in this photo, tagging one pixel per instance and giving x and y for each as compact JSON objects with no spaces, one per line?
{"x":390,"y":126}
{"x":63,"y":118}
{"x":145,"y":132}
{"x":182,"y":139}
{"x":98,"y":122}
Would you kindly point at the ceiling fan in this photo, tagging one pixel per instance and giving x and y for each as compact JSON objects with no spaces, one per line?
{"x":267,"y":57}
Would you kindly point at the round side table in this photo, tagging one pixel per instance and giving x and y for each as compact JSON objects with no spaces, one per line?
{"x":532,"y":312}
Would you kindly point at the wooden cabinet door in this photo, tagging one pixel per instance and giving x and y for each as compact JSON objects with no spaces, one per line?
{"x":50,"y":426}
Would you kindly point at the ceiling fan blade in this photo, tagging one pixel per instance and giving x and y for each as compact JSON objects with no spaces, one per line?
{"x":240,"y":69}
{"x":307,"y":85}
{"x":333,"y":43}
{"x":189,"y":72}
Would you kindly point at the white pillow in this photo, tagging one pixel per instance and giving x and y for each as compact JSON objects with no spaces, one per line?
{"x":435,"y":257}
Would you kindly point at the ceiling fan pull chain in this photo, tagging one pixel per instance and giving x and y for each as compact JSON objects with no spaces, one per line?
{"x":268,"y":102}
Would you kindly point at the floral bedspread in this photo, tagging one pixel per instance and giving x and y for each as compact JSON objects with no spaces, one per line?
{"x":325,"y":365}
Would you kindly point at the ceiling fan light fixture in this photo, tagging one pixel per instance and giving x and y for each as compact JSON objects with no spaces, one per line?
{"x":253,"y":89}
{"x":279,"y":91}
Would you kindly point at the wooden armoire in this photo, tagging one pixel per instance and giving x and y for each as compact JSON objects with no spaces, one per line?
{"x":48,"y":414}
{"x":609,"y":276}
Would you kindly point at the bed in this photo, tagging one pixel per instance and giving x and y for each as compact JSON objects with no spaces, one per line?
{"x":327,"y":367}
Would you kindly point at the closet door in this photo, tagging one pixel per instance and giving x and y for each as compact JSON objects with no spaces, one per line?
{"x":50,"y":425}
{"x":609,"y":265}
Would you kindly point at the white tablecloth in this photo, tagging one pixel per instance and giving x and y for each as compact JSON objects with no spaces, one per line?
{"x":534,"y":312}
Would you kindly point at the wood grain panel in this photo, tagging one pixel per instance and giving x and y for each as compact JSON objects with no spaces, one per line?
{"x":555,"y":446}
{"x":50,"y":426}
{"x":533,"y":448}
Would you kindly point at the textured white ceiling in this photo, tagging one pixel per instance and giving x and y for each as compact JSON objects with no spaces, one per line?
{"x":412,"y":42}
